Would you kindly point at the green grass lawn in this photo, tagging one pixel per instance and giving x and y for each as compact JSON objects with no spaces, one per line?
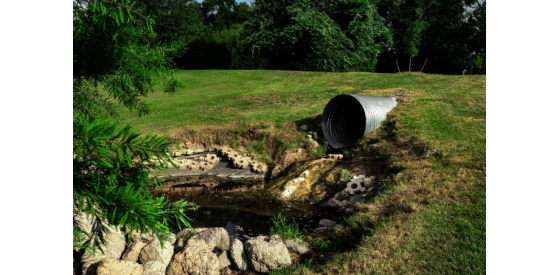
{"x":432,"y":217}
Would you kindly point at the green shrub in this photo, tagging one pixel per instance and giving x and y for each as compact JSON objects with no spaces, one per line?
{"x":345,"y":176}
{"x":284,"y":229}
{"x":318,"y":244}
{"x":321,"y":150}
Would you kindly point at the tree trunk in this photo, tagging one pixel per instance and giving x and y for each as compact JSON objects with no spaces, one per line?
{"x":410,"y":65}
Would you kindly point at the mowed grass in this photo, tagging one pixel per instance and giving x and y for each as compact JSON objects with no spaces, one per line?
{"x":431,"y":219}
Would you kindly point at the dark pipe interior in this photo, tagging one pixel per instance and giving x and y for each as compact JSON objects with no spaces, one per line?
{"x":348,"y":121}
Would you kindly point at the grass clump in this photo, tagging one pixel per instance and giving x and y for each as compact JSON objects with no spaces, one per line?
{"x":284,"y":229}
{"x":321,"y":150}
{"x":318,"y":244}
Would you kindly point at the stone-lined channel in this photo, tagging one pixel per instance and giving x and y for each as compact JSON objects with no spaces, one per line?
{"x":242,"y":206}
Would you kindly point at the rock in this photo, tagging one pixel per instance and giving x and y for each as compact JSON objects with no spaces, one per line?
{"x":113,"y":249}
{"x":132,"y":251}
{"x":338,"y":226}
{"x":196,"y":257}
{"x":368,"y":182}
{"x":342,"y":195}
{"x":315,"y":137}
{"x":84,"y":222}
{"x":326,"y":223}
{"x":223,"y":259}
{"x":154,"y":268}
{"x":214,"y":237}
{"x":355,"y":186}
{"x":110,"y":266}
{"x":265,"y":254}
{"x":154,"y":252}
{"x":185,"y":234}
{"x":295,"y":246}
{"x":291,"y":187}
{"x":335,"y":156}
{"x":335,"y":204}
{"x":137,"y":236}
{"x":309,"y":137}
{"x":425,"y":154}
{"x":238,"y":255}
{"x":303,"y":127}
{"x":313,"y":144}
{"x":349,"y":210}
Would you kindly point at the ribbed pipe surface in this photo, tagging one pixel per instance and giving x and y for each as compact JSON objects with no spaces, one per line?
{"x":347,"y":118}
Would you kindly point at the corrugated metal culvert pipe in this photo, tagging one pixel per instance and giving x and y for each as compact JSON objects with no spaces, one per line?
{"x":347,"y":118}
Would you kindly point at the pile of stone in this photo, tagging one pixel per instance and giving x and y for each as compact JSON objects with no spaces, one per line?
{"x":312,"y":139}
{"x":200,"y":163}
{"x":191,"y":251}
{"x":242,"y":160}
{"x":358,"y":188}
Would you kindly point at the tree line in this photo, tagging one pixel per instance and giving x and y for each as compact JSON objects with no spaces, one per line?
{"x":323,"y":35}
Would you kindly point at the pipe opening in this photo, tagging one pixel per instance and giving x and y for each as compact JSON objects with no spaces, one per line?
{"x":347,"y":118}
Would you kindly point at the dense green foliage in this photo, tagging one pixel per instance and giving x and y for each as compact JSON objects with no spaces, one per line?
{"x":111,"y":170}
{"x":113,"y":49}
{"x":318,"y":35}
{"x":451,"y":33}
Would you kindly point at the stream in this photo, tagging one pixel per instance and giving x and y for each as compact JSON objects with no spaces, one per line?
{"x":242,"y":206}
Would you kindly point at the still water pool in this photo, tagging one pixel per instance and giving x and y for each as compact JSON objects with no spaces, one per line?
{"x":243,"y":207}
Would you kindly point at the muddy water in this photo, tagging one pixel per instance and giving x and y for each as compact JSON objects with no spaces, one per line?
{"x":243,"y":207}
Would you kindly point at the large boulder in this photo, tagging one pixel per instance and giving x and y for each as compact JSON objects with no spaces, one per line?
{"x":133,"y":251}
{"x":223,"y":259}
{"x":215,"y":238}
{"x":136,"y":236}
{"x":238,"y":255}
{"x":266,"y":254}
{"x":84,"y":222}
{"x":186,"y":233}
{"x":154,"y":268}
{"x":110,"y":266}
{"x":196,"y":256}
{"x":113,"y":249}
{"x":154,"y":252}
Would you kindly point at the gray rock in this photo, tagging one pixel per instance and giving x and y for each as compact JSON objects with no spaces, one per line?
{"x":335,"y":204}
{"x":296,"y":246}
{"x":303,"y":127}
{"x":223,"y":259}
{"x":84,"y":222}
{"x":196,"y":257}
{"x":113,"y":249}
{"x":154,"y":252}
{"x":132,"y":251}
{"x":349,"y":210}
{"x":109,"y":266}
{"x":215,"y":238}
{"x":154,"y":268}
{"x":186,"y":233}
{"x":342,"y":195}
{"x":266,"y":254}
{"x":238,"y":255}
{"x":326,"y":223}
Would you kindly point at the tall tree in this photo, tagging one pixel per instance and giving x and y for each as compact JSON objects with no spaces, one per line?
{"x":448,"y":36}
{"x":173,"y":19}
{"x":113,"y":163}
{"x":318,"y":35}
